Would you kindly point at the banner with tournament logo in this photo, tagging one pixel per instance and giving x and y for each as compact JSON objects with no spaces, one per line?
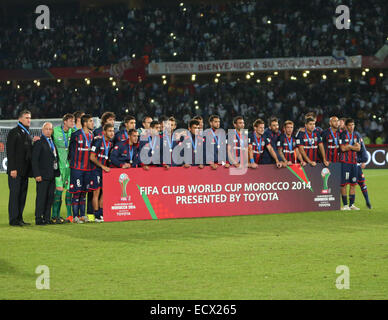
{"x":136,"y":194}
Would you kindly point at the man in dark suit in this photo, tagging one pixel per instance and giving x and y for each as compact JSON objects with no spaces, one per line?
{"x":19,"y":152}
{"x":45,"y":168}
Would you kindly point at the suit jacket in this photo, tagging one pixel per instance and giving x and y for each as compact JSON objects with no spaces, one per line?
{"x":19,"y":152}
{"x":43,"y":160}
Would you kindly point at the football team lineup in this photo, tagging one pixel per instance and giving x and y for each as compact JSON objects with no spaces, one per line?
{"x":170,"y":151}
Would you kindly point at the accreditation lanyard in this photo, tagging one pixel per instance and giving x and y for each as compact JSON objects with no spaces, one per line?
{"x":334,"y":137}
{"x":192,"y":142}
{"x":169,"y":141}
{"x":24,"y":128}
{"x":106,"y":147}
{"x":257,"y":143}
{"x":130,"y":149}
{"x":51,"y":143}
{"x":215,"y":138}
{"x":351,"y":140}
{"x":290,"y":144}
{"x":86,"y":140}
{"x":152,"y":145}
{"x":126,"y":134}
{"x":66,"y":140}
{"x":239,"y":139}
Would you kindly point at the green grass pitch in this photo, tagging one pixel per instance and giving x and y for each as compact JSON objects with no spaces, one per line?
{"x":280,"y":256}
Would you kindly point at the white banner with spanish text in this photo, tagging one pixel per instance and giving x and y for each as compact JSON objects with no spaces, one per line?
{"x":248,"y":65}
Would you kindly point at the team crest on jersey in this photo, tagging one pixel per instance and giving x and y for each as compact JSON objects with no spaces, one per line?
{"x":116,"y":147}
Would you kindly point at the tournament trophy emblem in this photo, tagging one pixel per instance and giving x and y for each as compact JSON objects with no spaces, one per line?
{"x":123,"y":179}
{"x":325,"y":173}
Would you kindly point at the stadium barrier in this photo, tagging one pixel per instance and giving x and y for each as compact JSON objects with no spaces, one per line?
{"x":137,"y":194}
{"x":377,"y":156}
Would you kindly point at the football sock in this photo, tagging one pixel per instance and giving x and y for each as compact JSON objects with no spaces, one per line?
{"x":82,"y":202}
{"x":352,"y":198}
{"x":345,"y":200}
{"x":68,"y":203}
{"x":75,"y":204}
{"x":364,"y":191}
{"x":57,"y":204}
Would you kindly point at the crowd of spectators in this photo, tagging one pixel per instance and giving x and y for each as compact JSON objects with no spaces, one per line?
{"x":232,"y":30}
{"x":287,"y":99}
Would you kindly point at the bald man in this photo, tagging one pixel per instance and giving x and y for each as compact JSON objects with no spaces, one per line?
{"x":44,"y":168}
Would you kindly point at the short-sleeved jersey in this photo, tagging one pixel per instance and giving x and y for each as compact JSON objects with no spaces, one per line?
{"x":259,"y":145}
{"x":288,"y":146}
{"x":238,"y":143}
{"x":273,"y":138}
{"x":310,"y":142}
{"x":79,"y":151}
{"x":345,"y":139}
{"x":62,"y":142}
{"x":330,"y":141}
{"x":101,"y":148}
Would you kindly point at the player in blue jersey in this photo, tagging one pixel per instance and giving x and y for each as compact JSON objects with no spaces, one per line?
{"x":126,"y":153}
{"x":350,"y":144}
{"x":80,"y":166}
{"x":99,"y":155}
{"x":272,"y":134}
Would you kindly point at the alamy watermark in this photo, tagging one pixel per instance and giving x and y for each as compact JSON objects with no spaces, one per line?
{"x":343,"y":281}
{"x":343,"y":20}
{"x":43,"y":280}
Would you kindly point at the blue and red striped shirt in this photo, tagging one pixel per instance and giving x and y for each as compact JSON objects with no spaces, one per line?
{"x":330,"y":141}
{"x":288,"y":146}
{"x":259,"y":145}
{"x":79,"y":151}
{"x":347,"y":138}
{"x":101,"y":148}
{"x":310,"y":142}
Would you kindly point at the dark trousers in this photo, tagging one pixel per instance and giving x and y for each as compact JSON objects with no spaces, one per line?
{"x":44,"y":200}
{"x":90,"y":209}
{"x":17,"y":198}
